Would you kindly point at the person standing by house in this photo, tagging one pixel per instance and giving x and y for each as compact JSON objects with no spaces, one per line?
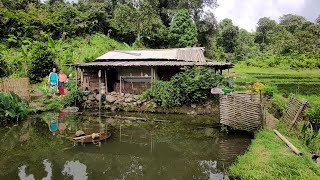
{"x":53,"y":80}
{"x":61,"y":80}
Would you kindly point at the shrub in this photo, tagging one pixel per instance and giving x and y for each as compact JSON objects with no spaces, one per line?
{"x":192,"y":85}
{"x":71,"y":84}
{"x":12,"y":107}
{"x":74,"y":98}
{"x":3,"y":67}
{"x":313,"y":113}
{"x":42,"y":62}
{"x":270,"y":90}
{"x":279,"y":102}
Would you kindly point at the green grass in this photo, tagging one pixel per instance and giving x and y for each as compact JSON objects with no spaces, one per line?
{"x":270,"y":158}
{"x":247,"y":70}
{"x":304,"y":83}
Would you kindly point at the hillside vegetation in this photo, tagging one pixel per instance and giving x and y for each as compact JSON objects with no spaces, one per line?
{"x":79,"y":32}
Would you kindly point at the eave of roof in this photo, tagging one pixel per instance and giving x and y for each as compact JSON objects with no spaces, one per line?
{"x":153,"y":63}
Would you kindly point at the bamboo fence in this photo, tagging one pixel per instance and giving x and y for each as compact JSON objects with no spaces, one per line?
{"x":241,"y":111}
{"x":20,"y":86}
{"x":292,"y":109}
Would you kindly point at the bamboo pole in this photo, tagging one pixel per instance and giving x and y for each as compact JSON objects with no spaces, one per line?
{"x":291,"y":146}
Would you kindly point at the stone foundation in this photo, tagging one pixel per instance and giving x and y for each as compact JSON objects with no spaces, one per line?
{"x":135,"y":103}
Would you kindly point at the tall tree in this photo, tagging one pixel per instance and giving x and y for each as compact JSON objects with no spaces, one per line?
{"x":228,"y":34}
{"x":318,"y":20}
{"x":246,"y":48}
{"x":183,"y":32}
{"x":292,"y":22}
{"x":265,"y":25}
{"x":141,"y":20}
{"x":42,"y":62}
{"x":207,"y":27}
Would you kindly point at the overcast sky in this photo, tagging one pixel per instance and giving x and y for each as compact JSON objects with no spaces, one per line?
{"x":246,"y":13}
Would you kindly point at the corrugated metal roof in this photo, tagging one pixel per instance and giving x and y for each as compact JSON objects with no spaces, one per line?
{"x":153,"y":63}
{"x":181,"y":54}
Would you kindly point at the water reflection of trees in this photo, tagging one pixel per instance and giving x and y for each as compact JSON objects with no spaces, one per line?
{"x":145,"y":152}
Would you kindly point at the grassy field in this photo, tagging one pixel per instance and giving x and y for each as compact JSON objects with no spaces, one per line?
{"x":303,"y":83}
{"x":268,"y":157}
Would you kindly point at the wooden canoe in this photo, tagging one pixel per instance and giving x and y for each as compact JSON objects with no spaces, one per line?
{"x":88,"y":139}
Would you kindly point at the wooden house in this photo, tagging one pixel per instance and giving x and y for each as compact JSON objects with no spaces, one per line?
{"x":132,"y":71}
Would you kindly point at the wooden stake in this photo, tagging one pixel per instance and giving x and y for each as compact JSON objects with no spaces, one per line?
{"x":291,"y":146}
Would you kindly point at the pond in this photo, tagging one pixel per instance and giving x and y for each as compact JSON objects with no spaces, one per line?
{"x":177,"y":147}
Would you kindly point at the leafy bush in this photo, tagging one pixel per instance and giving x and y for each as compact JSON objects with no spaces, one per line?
{"x":313,"y":113}
{"x":3,"y":67}
{"x":294,"y":61}
{"x":270,"y":90}
{"x":279,"y":102}
{"x":190,"y":86}
{"x":12,"y":107}
{"x":74,"y":98}
{"x":42,"y":62}
{"x":71,"y":84}
{"x":311,"y":137}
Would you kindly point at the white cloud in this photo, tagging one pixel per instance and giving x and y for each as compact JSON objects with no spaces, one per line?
{"x":246,"y":13}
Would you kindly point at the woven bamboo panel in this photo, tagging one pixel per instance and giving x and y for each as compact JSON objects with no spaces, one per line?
{"x":19,"y":86}
{"x":241,"y":111}
{"x":292,"y":108}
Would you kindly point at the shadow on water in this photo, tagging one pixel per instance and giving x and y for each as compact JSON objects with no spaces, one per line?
{"x":189,"y":148}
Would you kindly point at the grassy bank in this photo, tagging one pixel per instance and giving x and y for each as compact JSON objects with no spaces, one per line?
{"x":269,"y":157}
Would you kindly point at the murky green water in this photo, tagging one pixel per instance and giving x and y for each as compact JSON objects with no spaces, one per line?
{"x":185,"y":149}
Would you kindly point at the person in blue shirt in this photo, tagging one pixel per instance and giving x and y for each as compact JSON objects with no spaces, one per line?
{"x":53,"y":125}
{"x":53,"y":80}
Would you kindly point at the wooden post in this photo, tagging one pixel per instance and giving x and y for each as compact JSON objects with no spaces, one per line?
{"x":76,"y":78}
{"x":99,"y":75}
{"x":105,"y":80}
{"x":81,"y":77}
{"x":152,"y":75}
{"x":120,"y":85}
{"x":291,"y":146}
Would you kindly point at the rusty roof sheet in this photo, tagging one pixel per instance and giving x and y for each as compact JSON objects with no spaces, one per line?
{"x":178,"y":54}
{"x":153,"y":63}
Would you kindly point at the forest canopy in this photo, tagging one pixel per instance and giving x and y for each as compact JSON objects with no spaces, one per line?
{"x":292,"y":41}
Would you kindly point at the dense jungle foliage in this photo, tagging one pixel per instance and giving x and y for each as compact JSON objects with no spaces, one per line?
{"x":79,"y":32}
{"x":192,"y":85}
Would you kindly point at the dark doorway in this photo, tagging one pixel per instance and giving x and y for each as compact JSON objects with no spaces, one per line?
{"x":111,"y":78}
